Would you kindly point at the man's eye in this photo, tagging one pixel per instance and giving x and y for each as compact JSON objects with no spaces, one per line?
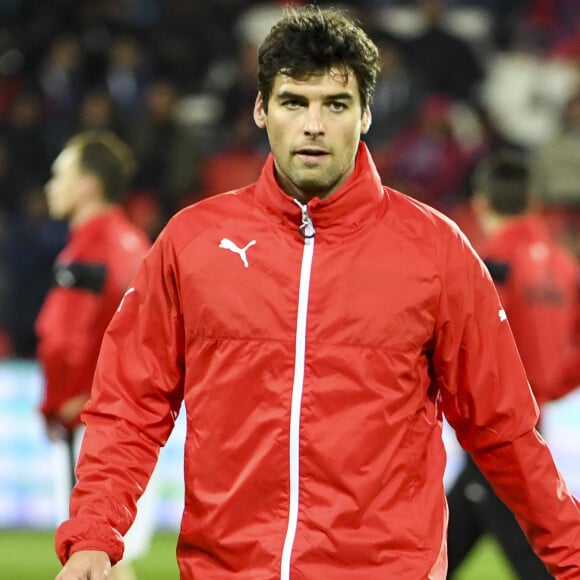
{"x":291,"y":104}
{"x":337,"y":106}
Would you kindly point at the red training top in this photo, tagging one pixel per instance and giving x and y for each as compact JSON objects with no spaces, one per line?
{"x":91,"y":275}
{"x":537,"y":282}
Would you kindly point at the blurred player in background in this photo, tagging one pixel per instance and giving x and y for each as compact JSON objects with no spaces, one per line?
{"x":91,"y":275}
{"x":537,"y":280}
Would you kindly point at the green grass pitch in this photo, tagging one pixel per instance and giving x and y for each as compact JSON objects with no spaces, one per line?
{"x":29,"y":555}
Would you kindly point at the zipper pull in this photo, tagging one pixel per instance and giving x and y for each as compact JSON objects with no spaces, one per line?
{"x":306,"y":228}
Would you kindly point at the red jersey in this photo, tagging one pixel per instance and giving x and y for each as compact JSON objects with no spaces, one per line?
{"x":537,"y":281}
{"x":315,"y":348}
{"x":91,"y":275}
{"x":571,"y":375}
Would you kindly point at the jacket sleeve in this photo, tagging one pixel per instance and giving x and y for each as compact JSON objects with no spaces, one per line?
{"x":135,"y":398}
{"x":69,"y":333}
{"x":487,"y":400}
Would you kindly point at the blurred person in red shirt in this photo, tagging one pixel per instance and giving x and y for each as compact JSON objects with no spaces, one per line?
{"x":91,"y":275}
{"x":537,"y":280}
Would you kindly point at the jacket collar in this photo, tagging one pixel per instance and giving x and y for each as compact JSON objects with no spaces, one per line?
{"x":354,"y":202}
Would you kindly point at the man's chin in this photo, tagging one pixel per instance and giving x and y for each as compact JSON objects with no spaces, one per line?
{"x":59,"y":216}
{"x":312,"y":181}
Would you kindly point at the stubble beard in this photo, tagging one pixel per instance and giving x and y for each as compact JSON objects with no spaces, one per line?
{"x":313,"y":180}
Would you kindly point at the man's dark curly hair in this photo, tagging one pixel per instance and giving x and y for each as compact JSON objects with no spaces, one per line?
{"x":310,"y":40}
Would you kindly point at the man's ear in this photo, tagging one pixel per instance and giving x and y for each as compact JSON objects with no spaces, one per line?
{"x":259,"y":113}
{"x":89,"y":186}
{"x":366,"y":120}
{"x":479,"y":204}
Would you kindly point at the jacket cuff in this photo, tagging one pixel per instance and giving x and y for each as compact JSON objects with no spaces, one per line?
{"x":73,"y":536}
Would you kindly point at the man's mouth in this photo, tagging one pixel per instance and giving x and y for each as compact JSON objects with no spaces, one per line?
{"x":312,"y":151}
{"x":311,"y":154}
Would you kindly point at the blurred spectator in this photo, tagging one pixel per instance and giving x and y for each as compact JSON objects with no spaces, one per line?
{"x":29,"y":248}
{"x":61,"y":80}
{"x":6,"y":346}
{"x":425,"y":159}
{"x":525,"y":91}
{"x":445,"y":61}
{"x":238,"y":98}
{"x":556,"y":21}
{"x":398,"y":92}
{"x":507,"y":16}
{"x":167,"y":153}
{"x":238,"y":163}
{"x":556,"y":165}
{"x":7,"y":189}
{"x":126,"y":75}
{"x":96,"y":113}
{"x":190,"y":36}
{"x":25,"y":156}
{"x":233,"y":80}
{"x":9,"y":9}
{"x":556,"y":176}
{"x":141,"y":14}
{"x":11,"y":70}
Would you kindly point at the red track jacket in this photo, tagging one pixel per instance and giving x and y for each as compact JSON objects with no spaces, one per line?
{"x":91,"y":274}
{"x":314,"y":370}
{"x":538,"y":283}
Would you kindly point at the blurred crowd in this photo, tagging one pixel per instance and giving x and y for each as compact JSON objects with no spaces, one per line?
{"x":176,"y":79}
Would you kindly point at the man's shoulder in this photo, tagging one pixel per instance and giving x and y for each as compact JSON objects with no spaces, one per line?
{"x":424,"y":231}
{"x":214,"y":208}
{"x":208,"y":213}
{"x":412,"y":212}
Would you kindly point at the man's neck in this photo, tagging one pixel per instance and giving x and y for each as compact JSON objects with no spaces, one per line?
{"x":87,"y":213}
{"x":493,"y":223}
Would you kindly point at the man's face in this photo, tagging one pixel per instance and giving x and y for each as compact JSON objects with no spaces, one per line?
{"x":64,"y":189}
{"x":314,"y":126}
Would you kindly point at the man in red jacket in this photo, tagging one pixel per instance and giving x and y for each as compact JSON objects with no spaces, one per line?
{"x":537,"y":281}
{"x":316,"y":325}
{"x":91,"y":275}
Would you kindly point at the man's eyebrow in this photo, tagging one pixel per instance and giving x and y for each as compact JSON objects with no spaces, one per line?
{"x":339,"y":97}
{"x":289,"y":95}
{"x":329,"y":97}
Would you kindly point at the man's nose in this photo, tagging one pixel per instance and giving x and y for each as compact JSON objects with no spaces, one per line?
{"x":314,"y":124}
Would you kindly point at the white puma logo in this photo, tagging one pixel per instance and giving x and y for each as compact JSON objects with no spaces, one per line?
{"x":229,"y":245}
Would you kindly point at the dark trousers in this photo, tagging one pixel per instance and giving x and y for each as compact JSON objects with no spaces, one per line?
{"x":71,"y":456}
{"x":475,"y":511}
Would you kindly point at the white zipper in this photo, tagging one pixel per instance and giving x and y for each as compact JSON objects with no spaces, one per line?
{"x":307,"y":230}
